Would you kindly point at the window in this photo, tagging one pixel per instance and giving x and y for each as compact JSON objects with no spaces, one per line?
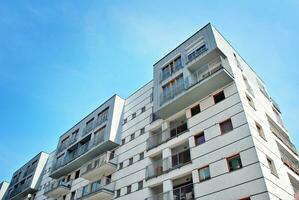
{"x":125,"y":120}
{"x":199,"y":139}
{"x":204,"y":173}
{"x":141,"y":155}
{"x":140,"y":185}
{"x":195,"y":110}
{"x":73,"y":195}
{"x":262,"y":88}
{"x":237,"y":62}
{"x":132,"y":136}
{"x":121,"y":165}
{"x":226,"y":126}
{"x":131,"y":161}
{"x":133,"y":115}
{"x":250,"y":101}
{"x":64,"y":197}
{"x":260,"y":131}
{"x":123,"y":141}
{"x":129,"y":189}
{"x":143,"y":109}
{"x":142,"y":131}
{"x":197,"y":52}
{"x":272,"y":166}
{"x":219,"y":97}
{"x":118,"y":193}
{"x":246,"y":198}
{"x":234,"y":163}
{"x":77,"y":174}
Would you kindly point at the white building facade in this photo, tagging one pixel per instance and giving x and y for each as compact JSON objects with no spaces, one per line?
{"x":204,"y":128}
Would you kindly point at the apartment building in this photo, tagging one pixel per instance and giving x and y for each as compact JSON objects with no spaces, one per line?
{"x":204,"y":128}
{"x":3,"y":187}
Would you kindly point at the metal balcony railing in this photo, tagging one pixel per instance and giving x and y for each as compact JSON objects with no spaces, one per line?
{"x":56,"y":184}
{"x":163,"y":136}
{"x":172,"y":162}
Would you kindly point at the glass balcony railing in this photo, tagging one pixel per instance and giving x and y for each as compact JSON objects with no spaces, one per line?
{"x":68,"y":143}
{"x":159,"y":167}
{"x":57,"y":184}
{"x":161,"y":137}
{"x":164,"y":74}
{"x":185,"y":192}
{"x":96,"y":190}
{"x":197,"y":53}
{"x":79,"y":151}
{"x":293,"y":164}
{"x":195,"y":78}
{"x":21,"y":188}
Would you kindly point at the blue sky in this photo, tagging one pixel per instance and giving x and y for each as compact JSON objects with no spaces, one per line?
{"x":60,"y":59}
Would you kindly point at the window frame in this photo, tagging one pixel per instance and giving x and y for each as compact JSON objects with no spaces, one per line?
{"x":197,"y":136}
{"x":232,"y":157}
{"x":215,"y":95}
{"x":206,"y":166}
{"x":221,"y":128}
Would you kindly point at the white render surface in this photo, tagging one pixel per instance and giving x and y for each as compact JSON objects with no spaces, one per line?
{"x":175,"y":159}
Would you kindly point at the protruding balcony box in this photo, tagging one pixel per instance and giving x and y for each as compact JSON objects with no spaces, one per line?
{"x":98,"y":133}
{"x":201,"y":81}
{"x":95,"y":191}
{"x":57,"y":188}
{"x":104,"y":165}
{"x":25,"y":180}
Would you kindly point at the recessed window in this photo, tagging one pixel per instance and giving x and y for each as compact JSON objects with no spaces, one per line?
{"x":123,"y":141}
{"x":73,"y":194}
{"x":129,"y":189}
{"x":272,"y":166}
{"x":260,"y":131}
{"x":250,"y":101}
{"x":143,"y":109}
{"x":142,"y":131}
{"x":133,"y":115}
{"x":130,"y":161}
{"x":219,"y":97}
{"x":226,"y":126}
{"x":141,"y":155}
{"x":121,"y":165}
{"x":77,"y":174}
{"x":234,"y":163}
{"x":199,"y":139}
{"x":140,"y":185}
{"x":125,"y":120}
{"x":132,"y":136}
{"x":246,"y":198}
{"x":195,"y":110}
{"x":118,"y":193}
{"x":204,"y":173}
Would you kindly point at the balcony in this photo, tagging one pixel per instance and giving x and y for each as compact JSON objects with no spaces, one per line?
{"x":57,"y":189}
{"x":200,"y":83}
{"x":105,"y":165}
{"x":68,"y":143}
{"x":163,"y":136}
{"x":22,"y":190}
{"x":30,"y":170}
{"x":281,"y":135}
{"x":96,"y":190}
{"x":185,"y":192}
{"x":159,"y":167}
{"x":79,"y":154}
{"x":290,"y":161}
